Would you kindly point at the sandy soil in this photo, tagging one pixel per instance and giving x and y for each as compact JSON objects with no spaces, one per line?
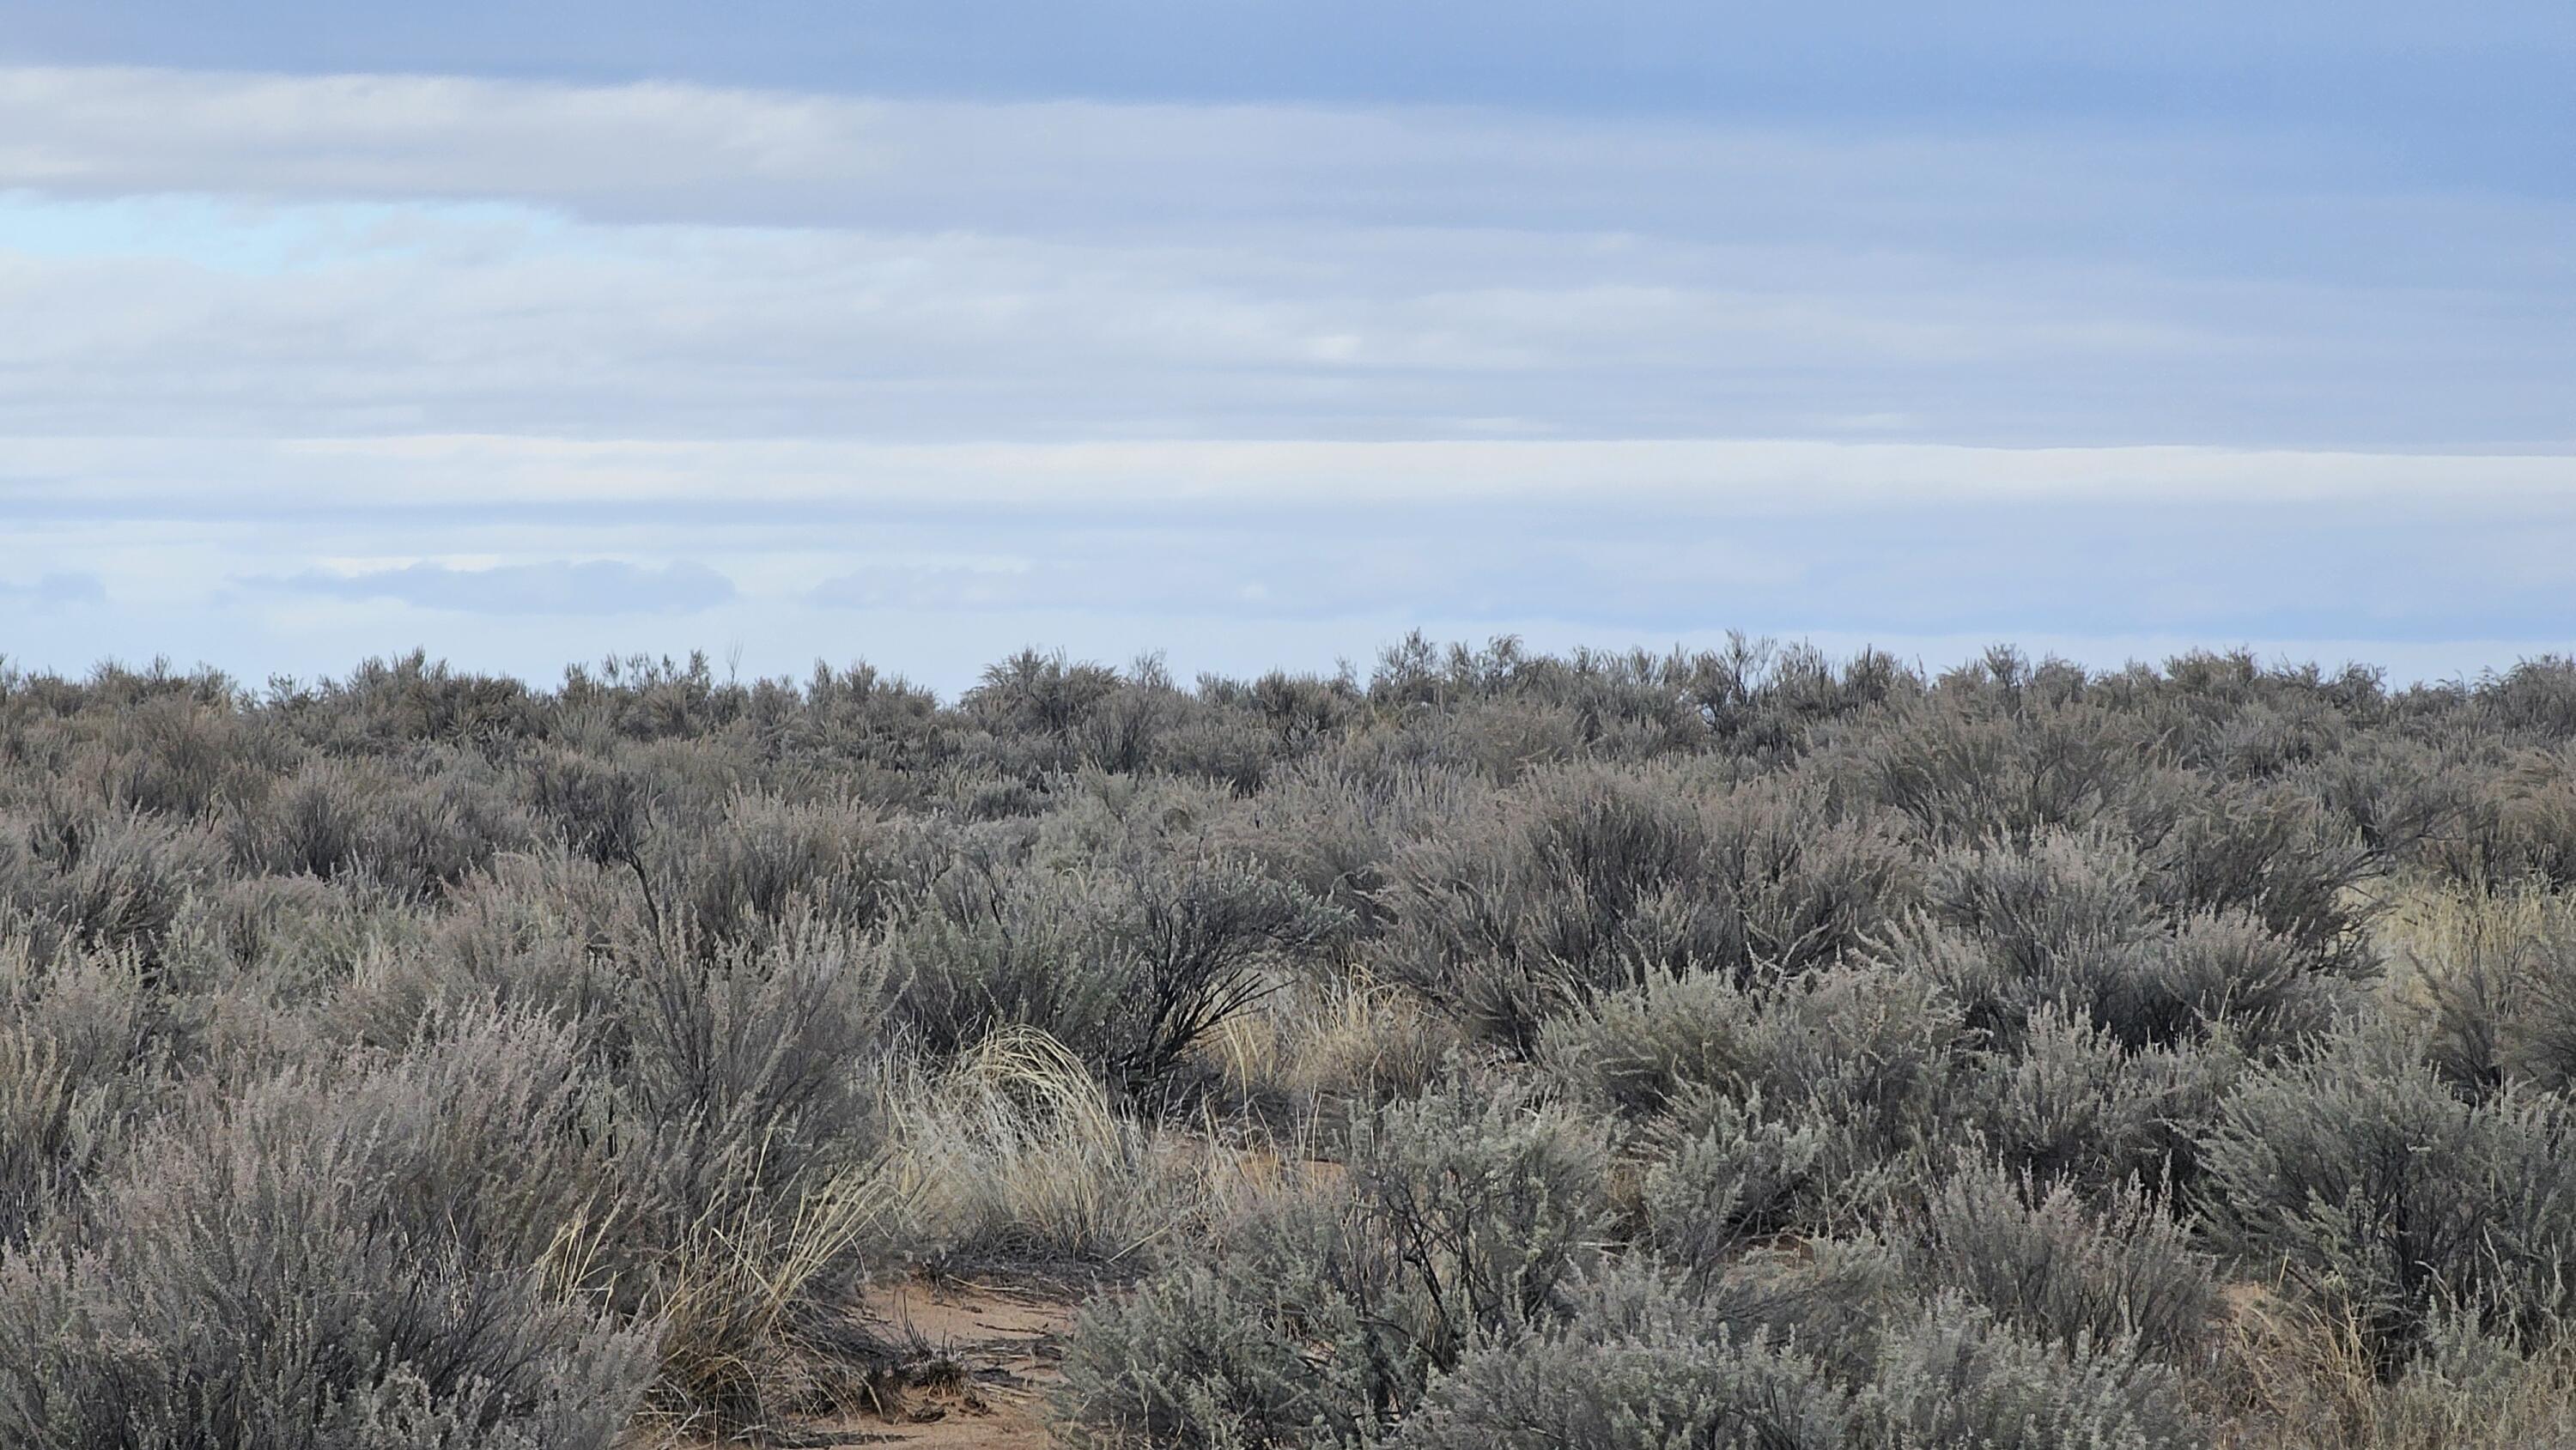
{"x":1003,"y":1342}
{"x":982,"y":1358}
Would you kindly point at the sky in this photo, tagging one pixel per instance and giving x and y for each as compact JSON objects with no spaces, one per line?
{"x":1260,"y":332}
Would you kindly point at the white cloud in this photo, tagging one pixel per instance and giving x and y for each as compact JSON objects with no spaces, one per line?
{"x":696,"y":153}
{"x":241,"y":478}
{"x":519,"y":591}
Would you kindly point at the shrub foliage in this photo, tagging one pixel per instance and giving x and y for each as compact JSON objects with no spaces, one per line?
{"x":1490,"y":1048}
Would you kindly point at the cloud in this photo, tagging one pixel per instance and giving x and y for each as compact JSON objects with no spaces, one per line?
{"x":792,"y":482}
{"x":2274,"y":570}
{"x":210,"y":253}
{"x":669,"y":152}
{"x":1249,"y":379}
{"x":54,"y":591}
{"x":596,"y":587}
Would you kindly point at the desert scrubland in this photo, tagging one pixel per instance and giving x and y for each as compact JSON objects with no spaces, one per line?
{"x":1475,"y":1051}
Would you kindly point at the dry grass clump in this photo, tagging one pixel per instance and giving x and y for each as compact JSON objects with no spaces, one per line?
{"x":2298,"y":1377}
{"x":1316,"y":1045}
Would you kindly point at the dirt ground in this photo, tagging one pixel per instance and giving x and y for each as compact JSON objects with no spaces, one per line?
{"x":1004,"y":1342}
{"x":979,"y":1359}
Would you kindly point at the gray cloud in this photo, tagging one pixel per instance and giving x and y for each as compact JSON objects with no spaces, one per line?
{"x":554,"y":588}
{"x":2274,"y":570}
{"x":1254,"y":382}
{"x":689,"y":261}
{"x":55,"y":591}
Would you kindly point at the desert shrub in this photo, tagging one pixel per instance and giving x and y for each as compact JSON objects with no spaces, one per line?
{"x":1959,"y":1376}
{"x":2074,"y":924}
{"x":2490,"y":980}
{"x":545,"y":932}
{"x":1492,"y":1205}
{"x":1639,"y":1364}
{"x":1964,"y":773}
{"x":1093,"y":816}
{"x":2516,"y":824}
{"x":2290,"y":1372}
{"x":1197,"y":1359}
{"x":1873,"y":1048}
{"x":81,"y":1064}
{"x":2401,"y":798}
{"x":1803,"y":886}
{"x":734,"y":1101}
{"x":1465,"y":1218}
{"x":600,"y":812}
{"x":768,"y":863}
{"x":177,"y":755}
{"x":103,"y":880}
{"x":2062,"y":922}
{"x":1732,"y":1172}
{"x":1047,"y":713}
{"x":2076,"y":1105}
{"x":256,"y":919}
{"x":414,"y":835}
{"x":2065,"y":1271}
{"x":383,"y":703}
{"x":1588,"y":880}
{"x":2271,"y":852}
{"x":1634,"y":1385}
{"x":1330,"y":827}
{"x":867,"y":736}
{"x":2473,"y":1391}
{"x":1527,"y":1047}
{"x":1758,"y":700}
{"x":2364,"y":1180}
{"x":1296,"y":710}
{"x":347,"y":1260}
{"x":2053,"y":899}
{"x":1831,"y":1297}
{"x":1306,"y":1053}
{"x":2226,"y":969}
{"x":1580,"y":880}
{"x":2536,"y":698}
{"x":2266,"y":739}
{"x":1015,"y":1153}
{"x":641,"y":698}
{"x":1132,"y":970}
{"x":745,"y":1078}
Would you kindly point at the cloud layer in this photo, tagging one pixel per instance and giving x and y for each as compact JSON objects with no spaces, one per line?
{"x":598,"y":586}
{"x":298,"y":366}
{"x":368,"y":254}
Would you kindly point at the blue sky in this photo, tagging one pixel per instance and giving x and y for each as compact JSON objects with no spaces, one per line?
{"x":1260,"y":333}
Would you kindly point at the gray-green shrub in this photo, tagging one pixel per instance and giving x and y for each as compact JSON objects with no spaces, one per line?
{"x":2363,"y":1179}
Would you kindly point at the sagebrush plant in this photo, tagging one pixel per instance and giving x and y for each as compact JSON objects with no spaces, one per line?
{"x":1609,"y":1048}
{"x":2362,"y":1177}
{"x":1326,"y":1315}
{"x":1578,"y":881}
{"x":2115,"y":1273}
{"x":333,"y":1257}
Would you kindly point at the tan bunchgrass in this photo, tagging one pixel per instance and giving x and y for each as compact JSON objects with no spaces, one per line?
{"x":2295,"y":1376}
{"x":2432,"y":934}
{"x":1351,"y":1041}
{"x":752,"y":1331}
{"x":1016,"y":1151}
